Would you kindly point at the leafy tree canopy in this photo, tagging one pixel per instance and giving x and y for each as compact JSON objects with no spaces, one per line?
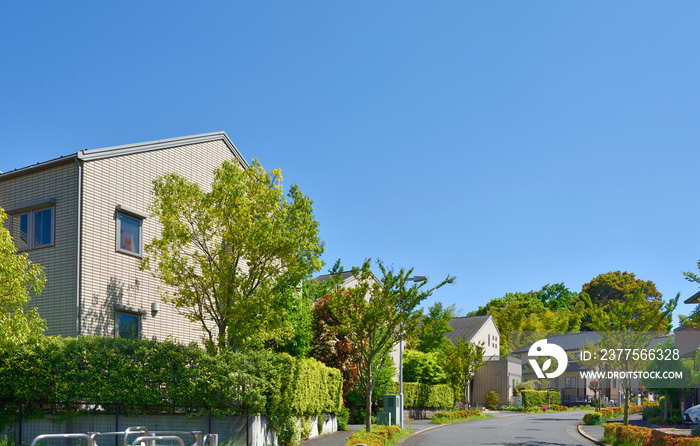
{"x":430,"y":334}
{"x":373,"y":316}
{"x":606,"y":289}
{"x":18,"y":275}
{"x":552,"y":308}
{"x":630,"y":324}
{"x":231,"y":255}
{"x":616,"y":286}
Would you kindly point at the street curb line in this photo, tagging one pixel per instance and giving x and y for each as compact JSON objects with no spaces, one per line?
{"x":582,"y":432}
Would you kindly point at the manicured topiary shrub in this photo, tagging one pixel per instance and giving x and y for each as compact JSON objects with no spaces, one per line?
{"x":492,"y":400}
{"x":593,"y":418}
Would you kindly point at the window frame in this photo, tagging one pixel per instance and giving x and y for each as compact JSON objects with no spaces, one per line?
{"x":117,"y":324}
{"x":138,"y":217}
{"x":568,"y":380}
{"x":30,"y":212}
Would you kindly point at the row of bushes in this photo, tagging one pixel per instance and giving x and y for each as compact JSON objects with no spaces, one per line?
{"x":436,"y":396}
{"x":538,"y":398}
{"x":593,"y":418}
{"x":617,"y":433}
{"x":139,"y":373}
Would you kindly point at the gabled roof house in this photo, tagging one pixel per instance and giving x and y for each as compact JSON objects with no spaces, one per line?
{"x":84,"y":218}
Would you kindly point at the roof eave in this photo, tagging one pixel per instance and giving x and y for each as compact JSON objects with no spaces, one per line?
{"x":129,"y":149}
{"x":39,"y":166}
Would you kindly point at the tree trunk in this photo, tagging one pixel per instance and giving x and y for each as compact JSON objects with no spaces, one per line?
{"x":626,"y":418}
{"x":368,"y":416}
{"x":666,"y":405}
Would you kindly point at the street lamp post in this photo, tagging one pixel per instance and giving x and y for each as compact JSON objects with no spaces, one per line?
{"x":412,"y":279}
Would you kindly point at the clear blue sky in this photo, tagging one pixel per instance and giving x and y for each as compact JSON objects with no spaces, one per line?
{"x":511,"y":144}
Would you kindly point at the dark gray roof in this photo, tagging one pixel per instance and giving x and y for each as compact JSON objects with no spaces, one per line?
{"x":694,"y":299}
{"x":577,"y":341}
{"x":128,"y":149}
{"x":466,"y":326}
{"x":324,"y":277}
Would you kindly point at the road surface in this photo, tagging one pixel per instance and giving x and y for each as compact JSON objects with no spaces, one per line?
{"x":544,"y":429}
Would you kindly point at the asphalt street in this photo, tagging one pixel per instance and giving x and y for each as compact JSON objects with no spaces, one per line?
{"x":555,"y":429}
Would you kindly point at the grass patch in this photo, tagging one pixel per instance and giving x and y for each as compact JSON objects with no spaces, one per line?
{"x":458,"y":415}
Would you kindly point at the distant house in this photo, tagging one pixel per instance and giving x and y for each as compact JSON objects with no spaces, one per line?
{"x":84,"y":218}
{"x":500,"y":373}
{"x":574,"y":387}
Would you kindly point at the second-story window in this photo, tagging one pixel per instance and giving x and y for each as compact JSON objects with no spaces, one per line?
{"x":33,"y":229}
{"x":129,"y":230}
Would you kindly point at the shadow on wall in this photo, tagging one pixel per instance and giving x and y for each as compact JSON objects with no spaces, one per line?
{"x":98,"y":314}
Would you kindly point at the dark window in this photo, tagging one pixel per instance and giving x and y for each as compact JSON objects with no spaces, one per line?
{"x":128,"y":326}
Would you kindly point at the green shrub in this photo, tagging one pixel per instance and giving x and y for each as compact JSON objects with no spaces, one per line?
{"x":593,"y":418}
{"x":343,"y":418}
{"x":423,"y":368}
{"x":538,"y":398}
{"x":109,"y":370}
{"x":492,"y":400}
{"x":437,"y":396}
{"x":652,"y":413}
{"x":380,"y":436}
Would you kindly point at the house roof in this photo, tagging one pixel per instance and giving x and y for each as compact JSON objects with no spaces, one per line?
{"x":694,"y":299}
{"x":577,"y":341}
{"x":467,"y":327}
{"x":129,"y":149}
{"x":346,"y":277}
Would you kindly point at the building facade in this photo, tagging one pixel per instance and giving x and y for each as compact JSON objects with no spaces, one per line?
{"x":85,"y":218}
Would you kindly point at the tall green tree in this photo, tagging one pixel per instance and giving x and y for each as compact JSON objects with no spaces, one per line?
{"x":606,"y":289}
{"x":18,"y":276}
{"x":462,"y":361}
{"x":373,"y":316}
{"x":629,"y":325}
{"x":230,"y":255}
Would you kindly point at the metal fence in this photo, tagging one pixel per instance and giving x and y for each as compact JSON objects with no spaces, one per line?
{"x":21,"y":422}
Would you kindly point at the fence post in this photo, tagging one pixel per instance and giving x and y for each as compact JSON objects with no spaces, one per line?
{"x":116,"y":424}
{"x":247,"y":427}
{"x":20,"y":424}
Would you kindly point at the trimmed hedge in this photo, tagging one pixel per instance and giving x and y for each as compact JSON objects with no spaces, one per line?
{"x":379,"y":437}
{"x":436,"y":396}
{"x":140,"y":373}
{"x":644,"y":436}
{"x":538,"y":398}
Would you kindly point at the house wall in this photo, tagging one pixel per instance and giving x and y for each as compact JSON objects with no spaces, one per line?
{"x":111,"y":278}
{"x":489,"y":338}
{"x":496,"y":375}
{"x":57,"y":302}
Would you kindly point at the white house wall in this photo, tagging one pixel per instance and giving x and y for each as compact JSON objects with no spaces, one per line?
{"x":111,"y":278}
{"x":57,"y":303}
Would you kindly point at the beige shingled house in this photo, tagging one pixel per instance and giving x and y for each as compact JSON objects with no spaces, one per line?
{"x":84,"y":218}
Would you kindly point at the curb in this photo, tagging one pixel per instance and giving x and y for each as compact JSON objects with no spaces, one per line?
{"x":582,"y":432}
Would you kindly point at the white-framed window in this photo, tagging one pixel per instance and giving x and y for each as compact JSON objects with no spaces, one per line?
{"x":34,"y":228}
{"x":130,"y":230}
{"x":570,"y":382}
